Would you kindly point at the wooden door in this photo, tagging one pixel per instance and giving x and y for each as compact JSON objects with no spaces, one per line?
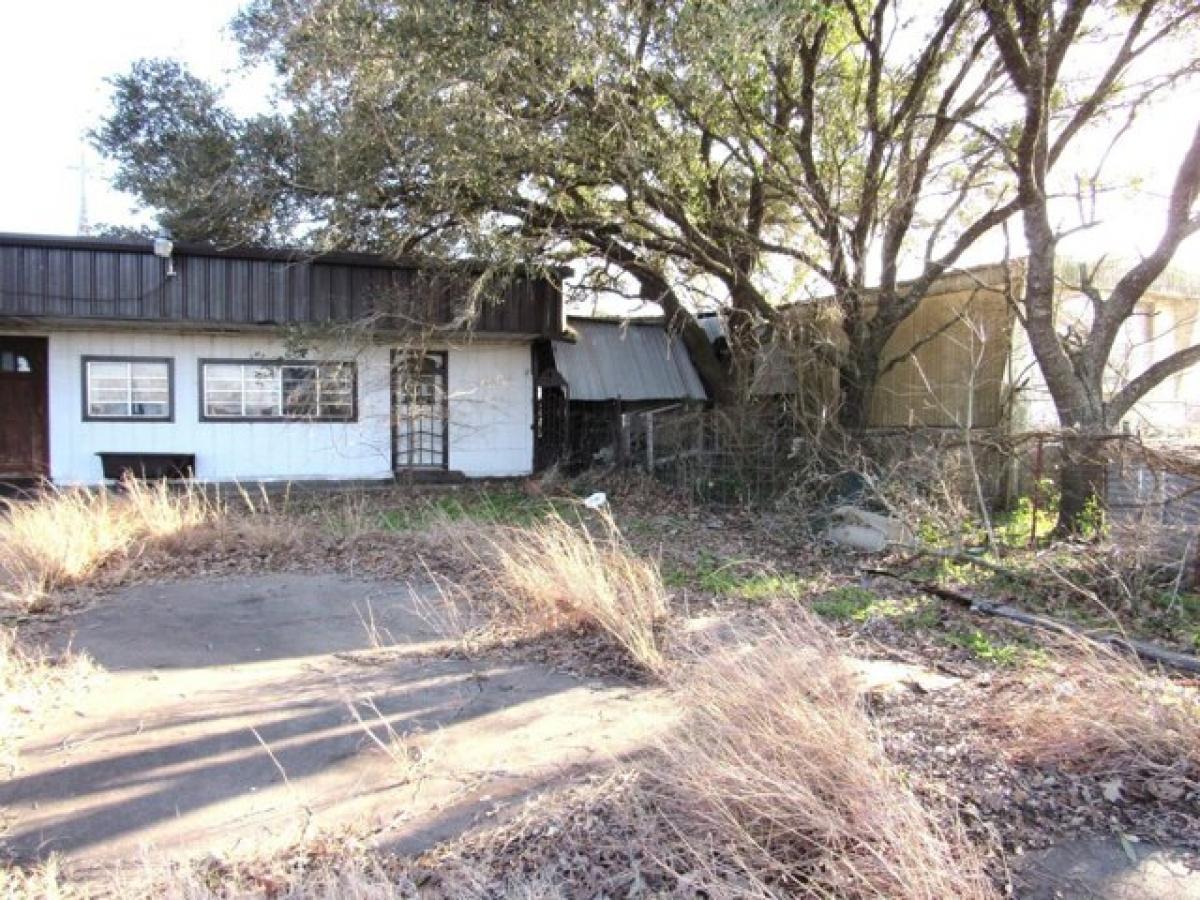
{"x":23,"y":402}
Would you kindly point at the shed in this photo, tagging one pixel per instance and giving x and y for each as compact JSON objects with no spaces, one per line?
{"x":605,"y":370}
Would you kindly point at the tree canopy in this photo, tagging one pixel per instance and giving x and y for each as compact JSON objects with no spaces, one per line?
{"x":754,"y":151}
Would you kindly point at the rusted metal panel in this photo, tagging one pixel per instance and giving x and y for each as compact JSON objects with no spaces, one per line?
{"x":99,"y":279}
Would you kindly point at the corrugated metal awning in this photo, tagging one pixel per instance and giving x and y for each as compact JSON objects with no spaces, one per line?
{"x":630,"y":361}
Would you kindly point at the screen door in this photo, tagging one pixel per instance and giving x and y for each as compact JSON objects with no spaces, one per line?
{"x":419,"y":434}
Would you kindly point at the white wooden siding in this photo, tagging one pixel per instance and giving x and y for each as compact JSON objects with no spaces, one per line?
{"x":490,"y":411}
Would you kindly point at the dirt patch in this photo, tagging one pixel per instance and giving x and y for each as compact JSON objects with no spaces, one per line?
{"x":253,"y":711}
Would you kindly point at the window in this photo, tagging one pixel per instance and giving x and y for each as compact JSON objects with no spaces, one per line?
{"x":419,"y":436}
{"x":12,"y":362}
{"x":314,"y":391}
{"x":136,"y":388}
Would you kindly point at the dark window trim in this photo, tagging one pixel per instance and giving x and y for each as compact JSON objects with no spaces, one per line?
{"x":397,"y":356}
{"x":242,"y":420}
{"x":83,"y":381}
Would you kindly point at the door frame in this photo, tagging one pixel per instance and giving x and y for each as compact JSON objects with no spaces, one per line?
{"x":40,"y":363}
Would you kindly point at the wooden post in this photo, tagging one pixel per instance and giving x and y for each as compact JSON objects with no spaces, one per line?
{"x":1035,"y":502}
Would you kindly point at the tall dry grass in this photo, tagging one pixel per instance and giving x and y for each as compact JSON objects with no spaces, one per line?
{"x":67,"y":536}
{"x":1098,"y":711}
{"x":556,"y":575}
{"x":778,"y":784}
{"x":64,"y":536}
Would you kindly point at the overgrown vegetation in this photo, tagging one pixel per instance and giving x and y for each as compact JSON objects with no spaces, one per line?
{"x":776,"y":766}
{"x":781,"y":779}
{"x":67,"y":535}
{"x":1098,"y":711}
{"x":555,"y":575}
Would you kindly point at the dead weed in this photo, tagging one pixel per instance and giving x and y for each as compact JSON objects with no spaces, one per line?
{"x":556,"y":576}
{"x":1100,"y":712}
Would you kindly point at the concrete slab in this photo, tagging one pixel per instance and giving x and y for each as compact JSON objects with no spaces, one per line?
{"x":247,"y":712}
{"x":1105,"y":870}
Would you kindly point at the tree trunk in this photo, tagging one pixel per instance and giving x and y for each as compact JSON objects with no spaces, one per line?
{"x":1082,"y":479}
{"x":655,"y":289}
{"x":857,"y":377}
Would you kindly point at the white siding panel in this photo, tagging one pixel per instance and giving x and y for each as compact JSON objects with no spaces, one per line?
{"x":490,"y":413}
{"x":491,"y":409}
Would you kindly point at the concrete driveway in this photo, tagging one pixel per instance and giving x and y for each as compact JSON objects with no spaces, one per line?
{"x":245,"y":713}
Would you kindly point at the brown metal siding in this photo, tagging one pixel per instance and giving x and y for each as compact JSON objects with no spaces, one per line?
{"x":88,"y":279}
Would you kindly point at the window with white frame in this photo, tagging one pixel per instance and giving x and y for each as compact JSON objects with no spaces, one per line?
{"x":127,"y":388}
{"x":249,"y":390}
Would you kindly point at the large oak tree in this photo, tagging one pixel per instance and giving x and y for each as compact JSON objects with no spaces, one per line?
{"x":860,"y":148}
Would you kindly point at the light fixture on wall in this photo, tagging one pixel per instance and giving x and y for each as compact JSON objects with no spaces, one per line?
{"x":163,"y":247}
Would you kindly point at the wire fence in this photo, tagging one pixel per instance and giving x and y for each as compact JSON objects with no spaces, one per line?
{"x":741,"y":456}
{"x":758,"y":454}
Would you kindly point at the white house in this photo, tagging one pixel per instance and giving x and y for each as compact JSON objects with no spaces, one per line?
{"x":254,"y":364}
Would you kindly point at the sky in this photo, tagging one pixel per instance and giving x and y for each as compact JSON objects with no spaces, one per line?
{"x":56,"y":54}
{"x":54,"y":58}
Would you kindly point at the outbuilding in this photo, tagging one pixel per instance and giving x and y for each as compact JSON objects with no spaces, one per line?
{"x":604,"y":370}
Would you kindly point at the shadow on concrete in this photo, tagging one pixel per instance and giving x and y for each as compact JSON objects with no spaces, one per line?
{"x":71,"y":808}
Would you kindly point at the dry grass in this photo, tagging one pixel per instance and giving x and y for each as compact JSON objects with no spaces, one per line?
{"x":69,"y":536}
{"x":557,"y":576}
{"x":1098,"y":711}
{"x":66,"y":536}
{"x":774,"y":787}
{"x":776,"y":770}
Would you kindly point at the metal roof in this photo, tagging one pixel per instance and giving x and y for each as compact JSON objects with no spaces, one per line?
{"x":630,"y":361}
{"x":93,"y":279}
